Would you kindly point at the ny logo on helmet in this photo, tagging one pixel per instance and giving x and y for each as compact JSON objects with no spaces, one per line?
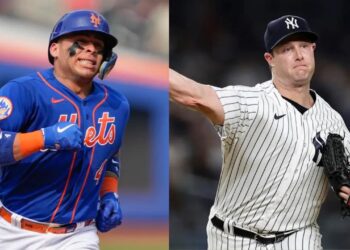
{"x":292,"y":22}
{"x":95,"y":20}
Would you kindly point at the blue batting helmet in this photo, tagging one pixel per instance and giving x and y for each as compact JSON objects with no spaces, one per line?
{"x":80,"y":21}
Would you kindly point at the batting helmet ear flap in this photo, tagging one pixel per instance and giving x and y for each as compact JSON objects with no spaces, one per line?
{"x":107,"y":65}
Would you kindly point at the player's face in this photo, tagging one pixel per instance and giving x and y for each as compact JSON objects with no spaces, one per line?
{"x":79,"y":56}
{"x":294,"y":62}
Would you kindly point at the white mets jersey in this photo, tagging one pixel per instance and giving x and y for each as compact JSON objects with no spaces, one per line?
{"x":272,"y":178}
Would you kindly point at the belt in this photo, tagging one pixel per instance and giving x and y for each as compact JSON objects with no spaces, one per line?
{"x":42,"y":227}
{"x":270,"y":238}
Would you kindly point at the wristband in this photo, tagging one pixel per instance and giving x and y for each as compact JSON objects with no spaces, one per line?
{"x":109,"y":185}
{"x":6,"y":147}
{"x":30,"y":142}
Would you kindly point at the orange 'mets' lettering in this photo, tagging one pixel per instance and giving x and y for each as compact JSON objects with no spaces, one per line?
{"x":103,"y":136}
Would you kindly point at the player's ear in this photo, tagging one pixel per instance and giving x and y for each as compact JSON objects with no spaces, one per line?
{"x":268,"y":57}
{"x":314,"y":46}
{"x":54,"y":50}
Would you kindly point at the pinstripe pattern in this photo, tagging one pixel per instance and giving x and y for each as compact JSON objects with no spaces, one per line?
{"x":306,"y":238}
{"x":269,"y":181}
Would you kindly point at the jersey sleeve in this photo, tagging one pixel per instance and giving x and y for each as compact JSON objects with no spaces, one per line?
{"x":231,"y":101}
{"x":125,"y":117}
{"x":113,"y":167}
{"x":15,"y":106}
{"x":6,"y":147}
{"x":113,"y":164}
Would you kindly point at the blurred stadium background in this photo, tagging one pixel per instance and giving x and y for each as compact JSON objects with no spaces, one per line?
{"x":141,"y":73}
{"x":221,"y":43}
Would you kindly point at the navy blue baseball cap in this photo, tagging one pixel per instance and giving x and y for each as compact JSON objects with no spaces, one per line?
{"x":280,"y":29}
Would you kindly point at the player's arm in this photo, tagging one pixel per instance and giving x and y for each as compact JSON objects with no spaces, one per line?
{"x":18,"y":102}
{"x":197,"y":96}
{"x":110,"y":214}
{"x":110,"y":181}
{"x":16,"y":146}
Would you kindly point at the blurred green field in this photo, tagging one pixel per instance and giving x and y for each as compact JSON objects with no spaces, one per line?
{"x":134,"y":236}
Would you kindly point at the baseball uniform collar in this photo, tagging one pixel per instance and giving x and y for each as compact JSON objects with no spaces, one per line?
{"x":50,"y":76}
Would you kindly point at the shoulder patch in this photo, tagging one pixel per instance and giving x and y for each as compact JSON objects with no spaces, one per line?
{"x":6,"y":107}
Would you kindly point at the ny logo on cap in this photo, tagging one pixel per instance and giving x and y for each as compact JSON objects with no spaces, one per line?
{"x":95,"y":20}
{"x":292,"y":22}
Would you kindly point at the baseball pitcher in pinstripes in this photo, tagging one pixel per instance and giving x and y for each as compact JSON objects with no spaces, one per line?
{"x":272,"y":183}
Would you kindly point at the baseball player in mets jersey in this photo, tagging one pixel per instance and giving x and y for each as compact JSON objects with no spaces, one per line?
{"x":60,"y":136}
{"x":272,"y":183}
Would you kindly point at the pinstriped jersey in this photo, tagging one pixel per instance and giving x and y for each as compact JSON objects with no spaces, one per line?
{"x":60,"y":186}
{"x":272,"y":176}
